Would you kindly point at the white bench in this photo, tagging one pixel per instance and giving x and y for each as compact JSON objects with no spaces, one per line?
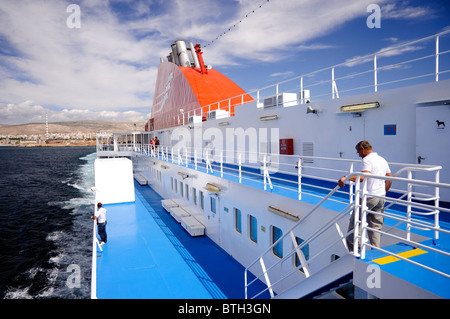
{"x":167,"y":204}
{"x":140,"y":179}
{"x":178,"y":212}
{"x":192,"y":226}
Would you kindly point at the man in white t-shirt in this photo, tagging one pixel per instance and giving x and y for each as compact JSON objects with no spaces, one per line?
{"x":100,"y":216}
{"x":372,"y":163}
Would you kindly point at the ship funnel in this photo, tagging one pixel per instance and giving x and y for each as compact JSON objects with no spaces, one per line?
{"x":194,"y":55}
{"x":181,"y":57}
{"x":182,"y":53}
{"x":175,"y":55}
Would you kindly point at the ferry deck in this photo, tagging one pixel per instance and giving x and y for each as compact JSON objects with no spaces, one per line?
{"x":150,"y":255}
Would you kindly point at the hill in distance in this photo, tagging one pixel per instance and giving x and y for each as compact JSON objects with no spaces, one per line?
{"x":71,"y":127}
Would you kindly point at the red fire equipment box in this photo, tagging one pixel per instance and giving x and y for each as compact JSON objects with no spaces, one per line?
{"x":287,"y":146}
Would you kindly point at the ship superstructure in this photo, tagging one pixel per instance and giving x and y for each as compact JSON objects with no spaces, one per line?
{"x":255,"y":173}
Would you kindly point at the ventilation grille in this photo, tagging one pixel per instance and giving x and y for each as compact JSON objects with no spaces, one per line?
{"x":308,"y":150}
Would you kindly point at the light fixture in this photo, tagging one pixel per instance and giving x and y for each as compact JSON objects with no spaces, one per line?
{"x":309,"y":109}
{"x":224,"y":123}
{"x":268,"y":117}
{"x":212,"y":188}
{"x":283,"y":213}
{"x":183,"y":175}
{"x":359,"y":107}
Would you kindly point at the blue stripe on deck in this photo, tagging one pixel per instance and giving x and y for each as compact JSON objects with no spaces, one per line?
{"x":149,"y":255}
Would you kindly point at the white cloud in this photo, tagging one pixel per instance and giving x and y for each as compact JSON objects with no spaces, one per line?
{"x":403,"y":10}
{"x":389,"y":51}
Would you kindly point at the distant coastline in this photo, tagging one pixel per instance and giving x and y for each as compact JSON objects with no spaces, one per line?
{"x":62,"y":134}
{"x":62,"y":144}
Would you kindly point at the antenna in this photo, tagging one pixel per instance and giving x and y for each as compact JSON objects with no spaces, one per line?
{"x":46,"y":126}
{"x":236,"y":23}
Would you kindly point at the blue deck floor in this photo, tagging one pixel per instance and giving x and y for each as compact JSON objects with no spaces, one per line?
{"x":428,"y":280}
{"x":149,"y":255}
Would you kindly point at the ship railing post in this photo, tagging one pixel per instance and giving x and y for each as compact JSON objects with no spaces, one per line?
{"x":300,"y":255}
{"x":352,"y":186}
{"x":171,"y":155}
{"x":356,"y":210}
{"x":186,"y":157}
{"x":266,"y":174}
{"x":302,"y":100}
{"x":334,"y":89}
{"x":266,"y":277}
{"x":221,"y":164}
{"x":436,"y":205}
{"x":240,"y":169}
{"x":437,"y":58}
{"x":408,"y":207}
{"x":364,"y":234}
{"x":195,"y":159}
{"x":375,"y":76}
{"x":276,"y":95}
{"x":208,"y":163}
{"x":180,"y":159}
{"x":299,"y":165}
{"x":246,"y":284}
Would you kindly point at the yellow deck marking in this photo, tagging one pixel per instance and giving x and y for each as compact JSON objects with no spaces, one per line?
{"x":406,"y":254}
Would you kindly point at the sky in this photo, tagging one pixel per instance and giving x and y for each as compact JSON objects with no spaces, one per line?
{"x":98,"y":59}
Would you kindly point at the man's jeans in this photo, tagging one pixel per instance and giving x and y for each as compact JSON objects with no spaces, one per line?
{"x":101,"y":228}
{"x":374,"y":221}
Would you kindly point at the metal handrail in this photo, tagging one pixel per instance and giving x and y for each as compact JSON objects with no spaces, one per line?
{"x":359,"y":237}
{"x":94,"y":265}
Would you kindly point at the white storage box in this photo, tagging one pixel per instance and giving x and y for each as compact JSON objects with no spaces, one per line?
{"x":141,"y":179}
{"x":192,"y":226}
{"x":167,"y":204}
{"x":177,"y":213}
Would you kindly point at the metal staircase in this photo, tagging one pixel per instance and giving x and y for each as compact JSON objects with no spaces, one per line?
{"x":316,"y":275}
{"x":330,"y":278}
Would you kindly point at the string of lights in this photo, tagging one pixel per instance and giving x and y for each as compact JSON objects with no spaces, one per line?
{"x":237,"y":23}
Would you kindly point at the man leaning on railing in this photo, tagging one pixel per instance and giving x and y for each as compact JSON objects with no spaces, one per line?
{"x":374,"y":164}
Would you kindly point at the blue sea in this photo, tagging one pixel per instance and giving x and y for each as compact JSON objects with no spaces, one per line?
{"x":45,"y":229}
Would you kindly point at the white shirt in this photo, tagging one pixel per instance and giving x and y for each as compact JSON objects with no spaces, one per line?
{"x":101,"y":215}
{"x":376,"y":165}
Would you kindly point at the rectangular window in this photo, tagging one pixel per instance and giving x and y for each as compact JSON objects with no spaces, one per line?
{"x":181,"y":188}
{"x":253,"y":228}
{"x":171,"y":183}
{"x":187,"y":192}
{"x":175,"y":183}
{"x":305,"y":251}
{"x":278,"y":248}
{"x":237,"y":220}
{"x":201,"y":200}
{"x":213,"y":204}
{"x":194,"y":196}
